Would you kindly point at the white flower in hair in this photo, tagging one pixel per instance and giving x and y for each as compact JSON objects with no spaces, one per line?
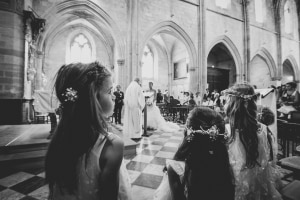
{"x":70,"y":95}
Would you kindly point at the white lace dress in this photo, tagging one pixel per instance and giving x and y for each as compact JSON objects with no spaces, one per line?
{"x":260,"y":182}
{"x":163,"y":192}
{"x":155,"y":120}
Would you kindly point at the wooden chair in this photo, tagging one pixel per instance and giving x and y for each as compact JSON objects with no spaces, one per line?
{"x":295,"y":117}
{"x":40,"y":118}
{"x":282,"y":136}
{"x":289,"y":136}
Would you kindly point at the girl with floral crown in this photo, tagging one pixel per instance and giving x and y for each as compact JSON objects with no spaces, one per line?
{"x":256,"y":176}
{"x":84,"y":160}
{"x":200,"y":169}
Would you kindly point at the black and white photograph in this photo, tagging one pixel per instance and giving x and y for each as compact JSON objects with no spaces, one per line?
{"x":150,"y":99}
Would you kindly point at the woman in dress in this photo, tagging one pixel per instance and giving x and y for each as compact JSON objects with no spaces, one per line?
{"x":154,"y":118}
{"x":200,"y":169}
{"x":256,"y":177}
{"x":84,"y":161}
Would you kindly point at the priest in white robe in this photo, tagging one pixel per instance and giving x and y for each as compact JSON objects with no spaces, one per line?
{"x":134,"y":103}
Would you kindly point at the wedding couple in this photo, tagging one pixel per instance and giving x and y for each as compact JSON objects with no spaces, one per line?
{"x":134,"y":104}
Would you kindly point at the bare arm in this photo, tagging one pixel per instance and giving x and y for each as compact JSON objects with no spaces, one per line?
{"x":110,"y":162}
{"x":176,"y":187}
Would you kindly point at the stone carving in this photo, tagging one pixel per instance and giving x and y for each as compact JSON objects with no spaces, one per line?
{"x":19,"y":6}
{"x":33,"y":27}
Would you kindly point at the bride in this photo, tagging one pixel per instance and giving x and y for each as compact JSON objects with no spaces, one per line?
{"x":154,"y":118}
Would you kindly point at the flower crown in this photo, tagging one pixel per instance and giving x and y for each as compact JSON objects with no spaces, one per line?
{"x":212,"y":132}
{"x":245,"y":97}
{"x":70,"y":95}
{"x":95,"y":72}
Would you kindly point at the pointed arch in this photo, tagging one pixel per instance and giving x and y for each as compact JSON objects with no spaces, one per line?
{"x":232,"y":49}
{"x":294,"y":16}
{"x":62,"y":13}
{"x":295,"y":66}
{"x":175,"y":30}
{"x":267,"y":57}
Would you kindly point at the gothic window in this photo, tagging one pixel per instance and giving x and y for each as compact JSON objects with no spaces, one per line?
{"x":259,"y":15}
{"x":148,"y":63}
{"x":288,"y":19}
{"x":80,"y":50}
{"x":223,"y":3}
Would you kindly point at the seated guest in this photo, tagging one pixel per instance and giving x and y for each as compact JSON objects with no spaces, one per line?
{"x":217,"y":102}
{"x":200,"y":168}
{"x":159,"y":96}
{"x":198,"y":99}
{"x":208,"y":102}
{"x":174,"y":102}
{"x":166,"y":97}
{"x":214,"y":93}
{"x":207,"y":94}
{"x":192,"y":102}
{"x":185,"y":99}
{"x":290,"y":100}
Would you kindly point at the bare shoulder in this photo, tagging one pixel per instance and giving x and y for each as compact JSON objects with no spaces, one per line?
{"x":115,"y":141}
{"x":112,"y":151}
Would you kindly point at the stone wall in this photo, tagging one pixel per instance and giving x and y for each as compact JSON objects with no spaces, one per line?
{"x":121,"y":29}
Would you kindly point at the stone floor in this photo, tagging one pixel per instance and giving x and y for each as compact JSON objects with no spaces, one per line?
{"x":145,"y":170}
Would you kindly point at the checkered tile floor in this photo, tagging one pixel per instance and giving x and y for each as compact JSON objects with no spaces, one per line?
{"x":145,"y":170}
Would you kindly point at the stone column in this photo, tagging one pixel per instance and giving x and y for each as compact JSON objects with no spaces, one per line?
{"x":132,"y":62}
{"x":244,"y":76}
{"x":202,"y":61}
{"x":121,"y":72}
{"x":170,"y":75}
{"x":11,"y":62}
{"x":277,"y":16}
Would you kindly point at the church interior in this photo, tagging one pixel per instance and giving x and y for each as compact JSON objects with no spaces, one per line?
{"x":181,"y":46}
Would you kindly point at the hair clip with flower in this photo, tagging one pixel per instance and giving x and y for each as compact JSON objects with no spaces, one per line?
{"x":70,"y":95}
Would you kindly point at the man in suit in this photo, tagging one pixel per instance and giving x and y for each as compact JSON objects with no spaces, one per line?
{"x":118,"y":104}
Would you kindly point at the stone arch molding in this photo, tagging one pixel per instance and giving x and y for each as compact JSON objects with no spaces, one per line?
{"x":267,"y":57}
{"x":294,"y":66}
{"x":175,"y":30}
{"x":57,"y":18}
{"x":233,"y":51}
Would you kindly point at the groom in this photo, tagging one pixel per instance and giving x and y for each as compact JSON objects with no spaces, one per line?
{"x":134,"y":103}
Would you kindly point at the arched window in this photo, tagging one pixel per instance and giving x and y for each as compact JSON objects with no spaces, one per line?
{"x":80,"y":50}
{"x":259,"y":14}
{"x":147,"y":63}
{"x":288,"y":19}
{"x":223,"y":3}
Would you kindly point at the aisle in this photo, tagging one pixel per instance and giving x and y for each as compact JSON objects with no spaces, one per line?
{"x":145,"y":170}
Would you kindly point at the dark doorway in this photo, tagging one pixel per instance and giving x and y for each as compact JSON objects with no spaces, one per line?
{"x":217,"y":79}
{"x":221,"y":68}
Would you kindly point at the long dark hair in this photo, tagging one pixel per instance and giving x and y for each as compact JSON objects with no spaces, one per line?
{"x":81,"y":122}
{"x":242,"y":113}
{"x":207,"y":170}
